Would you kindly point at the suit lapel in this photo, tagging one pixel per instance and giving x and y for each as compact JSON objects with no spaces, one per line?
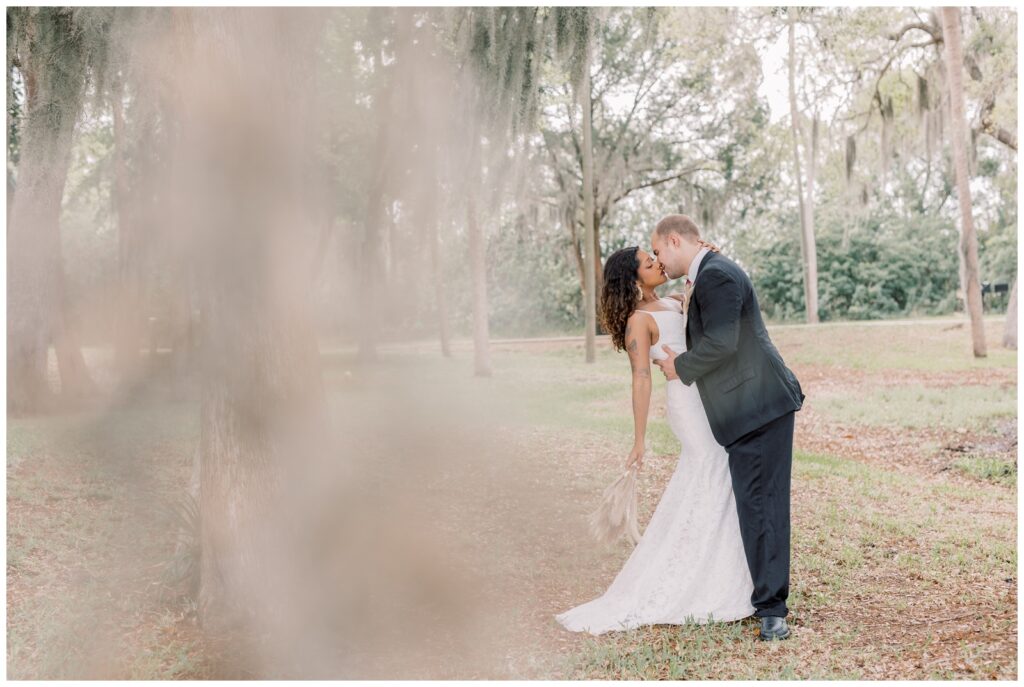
{"x":692,"y":315}
{"x":694,"y":312}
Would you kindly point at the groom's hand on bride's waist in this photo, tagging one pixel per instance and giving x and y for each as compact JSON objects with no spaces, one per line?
{"x":668,"y":365}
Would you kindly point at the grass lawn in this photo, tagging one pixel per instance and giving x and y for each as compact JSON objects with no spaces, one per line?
{"x":883,"y":345}
{"x":904,"y":561}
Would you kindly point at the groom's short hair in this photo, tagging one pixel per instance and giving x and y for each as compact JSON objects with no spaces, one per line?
{"x":680,"y":224}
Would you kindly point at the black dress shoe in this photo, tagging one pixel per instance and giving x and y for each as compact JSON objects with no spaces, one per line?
{"x":773,"y":627}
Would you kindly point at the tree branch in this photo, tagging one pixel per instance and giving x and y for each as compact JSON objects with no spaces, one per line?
{"x":987,"y":123}
{"x":933,"y":31}
{"x":664,"y":180}
{"x":989,"y":127}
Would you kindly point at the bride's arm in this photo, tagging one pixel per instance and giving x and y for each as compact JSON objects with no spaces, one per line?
{"x":638,"y":346}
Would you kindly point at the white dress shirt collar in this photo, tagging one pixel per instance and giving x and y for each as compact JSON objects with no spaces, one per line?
{"x":691,"y":275}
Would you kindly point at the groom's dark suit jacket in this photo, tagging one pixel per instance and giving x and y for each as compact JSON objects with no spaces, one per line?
{"x":742,"y":380}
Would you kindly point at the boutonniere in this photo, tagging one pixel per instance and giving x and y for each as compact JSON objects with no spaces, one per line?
{"x":687,"y":292}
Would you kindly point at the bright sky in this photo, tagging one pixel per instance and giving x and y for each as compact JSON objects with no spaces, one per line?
{"x":775,"y":86}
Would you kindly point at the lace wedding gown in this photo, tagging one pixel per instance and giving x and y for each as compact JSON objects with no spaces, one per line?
{"x":689,"y":565}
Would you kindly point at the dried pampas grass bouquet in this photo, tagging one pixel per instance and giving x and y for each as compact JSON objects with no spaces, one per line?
{"x":617,"y":513}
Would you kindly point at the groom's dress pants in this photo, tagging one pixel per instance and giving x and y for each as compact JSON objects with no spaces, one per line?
{"x":761,"y":463}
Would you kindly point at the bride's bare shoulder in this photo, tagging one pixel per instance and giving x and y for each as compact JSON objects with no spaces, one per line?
{"x":642,"y":323}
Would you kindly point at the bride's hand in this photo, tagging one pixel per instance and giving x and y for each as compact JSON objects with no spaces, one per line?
{"x":636,"y":455}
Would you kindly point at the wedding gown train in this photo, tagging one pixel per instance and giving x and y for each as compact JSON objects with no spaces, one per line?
{"x":689,"y":565}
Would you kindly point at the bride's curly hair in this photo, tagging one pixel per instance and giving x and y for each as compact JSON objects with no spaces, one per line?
{"x":619,"y":294}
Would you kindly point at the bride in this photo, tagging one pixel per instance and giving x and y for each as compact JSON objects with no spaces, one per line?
{"x":689,"y":565}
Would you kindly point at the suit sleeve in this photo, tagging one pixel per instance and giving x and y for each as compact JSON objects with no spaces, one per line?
{"x":721,"y":303}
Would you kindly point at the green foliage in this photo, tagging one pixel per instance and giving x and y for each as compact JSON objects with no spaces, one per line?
{"x":533,"y":288}
{"x":898,"y":268}
{"x":680,"y":125}
{"x":89,"y":234}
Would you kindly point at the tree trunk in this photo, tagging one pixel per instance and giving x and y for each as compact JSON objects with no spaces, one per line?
{"x":35,"y":302}
{"x":75,"y":383}
{"x":807,"y":244}
{"x":376,"y":264}
{"x":128,"y":336}
{"x":478,"y":265}
{"x":440,"y":297}
{"x":436,"y":269}
{"x":371,"y":271}
{"x":1010,"y":333}
{"x":263,"y":407}
{"x":575,"y":250}
{"x":327,"y":231}
{"x":589,"y":235}
{"x":809,"y":233}
{"x":958,"y":131}
{"x":372,"y":265}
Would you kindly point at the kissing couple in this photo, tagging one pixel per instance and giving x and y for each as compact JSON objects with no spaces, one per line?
{"x":717,"y":547}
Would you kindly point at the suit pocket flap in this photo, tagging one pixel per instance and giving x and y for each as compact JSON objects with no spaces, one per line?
{"x":730,"y":383}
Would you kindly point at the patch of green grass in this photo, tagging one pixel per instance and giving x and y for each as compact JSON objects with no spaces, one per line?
{"x":908,"y":561}
{"x":928,"y":346}
{"x":890,"y":526}
{"x":918,"y":406}
{"x":816,"y":466}
{"x":693,"y":652}
{"x":166,"y":660}
{"x":29,"y":437}
{"x":69,"y":485}
{"x":851,"y":556}
{"x":558,"y":389}
{"x":58,"y":635}
{"x":989,"y":469}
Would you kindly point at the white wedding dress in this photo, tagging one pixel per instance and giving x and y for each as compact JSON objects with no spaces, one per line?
{"x":689,"y":565}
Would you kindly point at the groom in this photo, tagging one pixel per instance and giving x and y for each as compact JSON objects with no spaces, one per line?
{"x":750,"y":397}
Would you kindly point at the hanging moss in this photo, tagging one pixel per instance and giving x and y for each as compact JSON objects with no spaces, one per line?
{"x":560,"y":17}
{"x":883,"y":151}
{"x":888,"y":119}
{"x":851,"y":156}
{"x":573,"y":34}
{"x":923,"y":104}
{"x":972,"y":158}
{"x":505,"y":50}
{"x":929,"y":136}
